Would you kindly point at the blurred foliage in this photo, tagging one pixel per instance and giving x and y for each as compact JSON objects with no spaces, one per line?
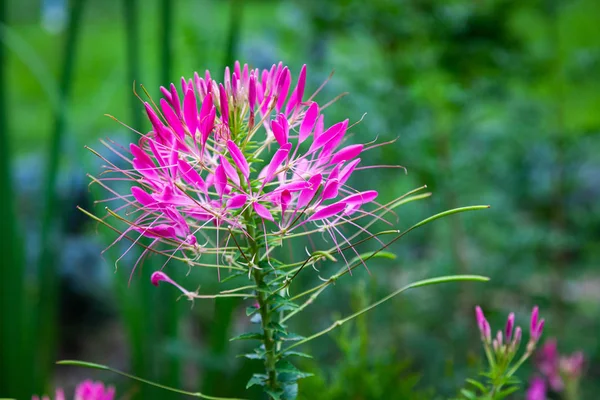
{"x":489,"y":101}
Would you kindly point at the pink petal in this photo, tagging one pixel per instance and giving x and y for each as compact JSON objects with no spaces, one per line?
{"x":175,"y":100}
{"x":308,"y":123}
{"x":278,"y":132}
{"x":237,"y":201}
{"x":328,"y":135}
{"x":220,"y":180}
{"x":361,"y":198}
{"x":229,"y":170}
{"x":238,"y":158}
{"x":283,"y":86}
{"x":190,"y":111}
{"x":347,"y":171}
{"x":279,"y":156}
{"x":191,"y":176}
{"x":347,"y":153}
{"x":328,"y":211}
{"x":172,"y":119}
{"x":307,"y":195}
{"x":330,"y":190}
{"x":224,"y":104}
{"x":262,"y":211}
{"x":143,"y":197}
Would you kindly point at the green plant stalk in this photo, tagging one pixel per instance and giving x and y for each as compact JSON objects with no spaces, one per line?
{"x":15,"y":327}
{"x":47,"y":263}
{"x":264,"y":308}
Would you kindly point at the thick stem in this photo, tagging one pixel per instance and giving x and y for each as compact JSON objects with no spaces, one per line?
{"x":264,"y":308}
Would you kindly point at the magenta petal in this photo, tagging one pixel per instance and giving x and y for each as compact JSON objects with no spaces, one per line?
{"x":262,"y":211}
{"x":348,"y":170}
{"x":347,"y":153}
{"x":252,"y":92}
{"x":328,"y":135}
{"x":308,"y":123}
{"x":220,"y":180}
{"x":142,"y":197}
{"x":361,"y":198}
{"x":283,"y":86}
{"x":301,"y":83}
{"x":223,"y":104}
{"x":190,"y":111}
{"x":229,"y":170}
{"x":238,"y":158}
{"x":175,"y":100}
{"x":172,"y":119}
{"x":328,"y":211}
{"x":279,"y":156}
{"x":330,"y":190}
{"x":191,"y":176}
{"x":307,"y":195}
{"x":278,"y":132}
{"x":237,"y":201}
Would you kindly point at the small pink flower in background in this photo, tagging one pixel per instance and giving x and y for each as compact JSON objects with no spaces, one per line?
{"x":86,"y":390}
{"x":572,"y":366}
{"x":537,"y":389}
{"x":558,"y":371}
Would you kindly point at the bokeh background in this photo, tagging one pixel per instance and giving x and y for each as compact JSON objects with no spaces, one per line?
{"x":491,"y":102}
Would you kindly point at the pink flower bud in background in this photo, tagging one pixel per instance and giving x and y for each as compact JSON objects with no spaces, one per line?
{"x":510,"y":323}
{"x":483,"y":325}
{"x":537,"y":325}
{"x":517,"y":339}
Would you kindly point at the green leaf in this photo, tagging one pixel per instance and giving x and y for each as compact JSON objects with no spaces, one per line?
{"x":296,"y":353}
{"x":257,"y":379}
{"x":274,"y":394}
{"x":477,"y":384}
{"x":280,"y":303}
{"x":251,"y":310}
{"x":248,"y":336}
{"x":468,"y":394}
{"x":277,"y":327}
{"x":507,"y":392}
{"x":290,"y":392}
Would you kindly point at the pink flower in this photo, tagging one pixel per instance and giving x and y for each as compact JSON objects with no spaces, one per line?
{"x":86,"y":390}
{"x":536,"y":390}
{"x":572,"y":366}
{"x":230,"y":155}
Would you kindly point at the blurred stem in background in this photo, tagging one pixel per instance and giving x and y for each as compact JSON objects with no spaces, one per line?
{"x":135,"y":299}
{"x":48,"y":282}
{"x":558,"y":234}
{"x":16,"y":367}
{"x":130,"y":8}
{"x":170,"y":312}
{"x":215,"y":374}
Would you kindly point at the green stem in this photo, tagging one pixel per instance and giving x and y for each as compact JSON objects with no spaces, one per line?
{"x":424,"y":282}
{"x":264,"y":308}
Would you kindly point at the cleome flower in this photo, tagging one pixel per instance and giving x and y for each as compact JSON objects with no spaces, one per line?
{"x":225,"y":158}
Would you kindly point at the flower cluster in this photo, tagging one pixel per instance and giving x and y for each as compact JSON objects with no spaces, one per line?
{"x":251,"y":150}
{"x":501,"y":351}
{"x":86,"y":390}
{"x":559,"y":373}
